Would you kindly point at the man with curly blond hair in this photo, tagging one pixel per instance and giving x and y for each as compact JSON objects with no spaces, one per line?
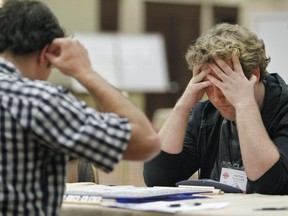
{"x":239,"y":136}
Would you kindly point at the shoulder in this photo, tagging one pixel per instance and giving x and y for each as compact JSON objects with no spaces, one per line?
{"x":44,"y":91}
{"x":275,"y":79}
{"x":276,"y":89}
{"x":37,"y":94}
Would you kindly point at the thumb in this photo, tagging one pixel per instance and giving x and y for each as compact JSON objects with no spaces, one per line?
{"x":52,"y":52}
{"x":253,"y":78}
{"x":50,"y":57}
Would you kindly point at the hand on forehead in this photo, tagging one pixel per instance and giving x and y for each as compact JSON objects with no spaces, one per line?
{"x":220,"y":64}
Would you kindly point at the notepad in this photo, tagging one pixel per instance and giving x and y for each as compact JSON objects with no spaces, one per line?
{"x":131,"y":193}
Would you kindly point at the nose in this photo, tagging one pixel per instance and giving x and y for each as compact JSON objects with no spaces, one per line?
{"x":217,"y":95}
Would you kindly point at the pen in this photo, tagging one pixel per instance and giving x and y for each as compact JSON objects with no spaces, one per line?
{"x":178,"y":204}
{"x":175,"y":205}
{"x":272,"y":209}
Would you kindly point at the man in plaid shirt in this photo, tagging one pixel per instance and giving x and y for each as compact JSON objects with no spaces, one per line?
{"x":42,"y":125}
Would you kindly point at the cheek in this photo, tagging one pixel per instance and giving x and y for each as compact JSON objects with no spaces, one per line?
{"x":209,"y":90}
{"x":209,"y":93}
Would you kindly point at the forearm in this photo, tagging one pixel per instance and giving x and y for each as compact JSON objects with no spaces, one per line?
{"x":106,"y":96}
{"x":258,"y":151}
{"x":71,"y":58}
{"x":144,"y":140}
{"x":173,"y":131}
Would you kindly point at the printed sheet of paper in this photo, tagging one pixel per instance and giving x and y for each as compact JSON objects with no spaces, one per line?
{"x":162,"y":206}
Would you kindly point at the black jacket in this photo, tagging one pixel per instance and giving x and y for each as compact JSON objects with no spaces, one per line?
{"x":201,"y":144}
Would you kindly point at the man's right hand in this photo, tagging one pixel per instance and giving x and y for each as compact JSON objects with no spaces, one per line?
{"x":69,"y":56}
{"x":195,"y":88}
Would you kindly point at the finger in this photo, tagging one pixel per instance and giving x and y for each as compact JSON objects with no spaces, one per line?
{"x":58,"y":41}
{"x":214,"y":80}
{"x":196,"y":69}
{"x":223,"y":65}
{"x":52,"y":53}
{"x":204,"y":84}
{"x":50,"y":57}
{"x":55,"y":50}
{"x":236,"y":63}
{"x":253,"y":78}
{"x":200,"y":76}
{"x":218,"y":71}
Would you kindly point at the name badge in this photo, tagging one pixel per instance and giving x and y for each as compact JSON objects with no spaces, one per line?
{"x":234,"y":177}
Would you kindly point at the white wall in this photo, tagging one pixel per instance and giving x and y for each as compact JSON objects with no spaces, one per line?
{"x":249,"y":7}
{"x":75,"y":15}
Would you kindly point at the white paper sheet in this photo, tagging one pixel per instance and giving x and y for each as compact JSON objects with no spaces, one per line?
{"x":165,"y":206}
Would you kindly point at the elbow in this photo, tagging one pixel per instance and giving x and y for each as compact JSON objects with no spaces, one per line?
{"x":153,"y":147}
{"x":144,"y":149}
{"x":273,"y":182}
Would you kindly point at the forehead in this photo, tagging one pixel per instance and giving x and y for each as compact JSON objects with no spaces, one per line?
{"x":227,"y":61}
{"x":206,"y":66}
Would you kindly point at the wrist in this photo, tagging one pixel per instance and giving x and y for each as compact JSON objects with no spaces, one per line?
{"x":86,"y":76}
{"x":183,"y":107}
{"x":246,"y":110}
{"x":246,"y":105}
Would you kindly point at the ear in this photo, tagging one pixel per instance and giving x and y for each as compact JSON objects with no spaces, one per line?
{"x":42,"y":60}
{"x":256,"y":72}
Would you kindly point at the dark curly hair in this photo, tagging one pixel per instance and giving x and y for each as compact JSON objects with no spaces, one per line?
{"x":225,"y":39}
{"x":27,"y":26}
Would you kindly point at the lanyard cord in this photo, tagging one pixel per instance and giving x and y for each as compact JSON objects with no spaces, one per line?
{"x":229,"y":144}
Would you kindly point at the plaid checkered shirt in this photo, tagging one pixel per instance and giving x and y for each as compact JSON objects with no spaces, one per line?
{"x":41,"y":126}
